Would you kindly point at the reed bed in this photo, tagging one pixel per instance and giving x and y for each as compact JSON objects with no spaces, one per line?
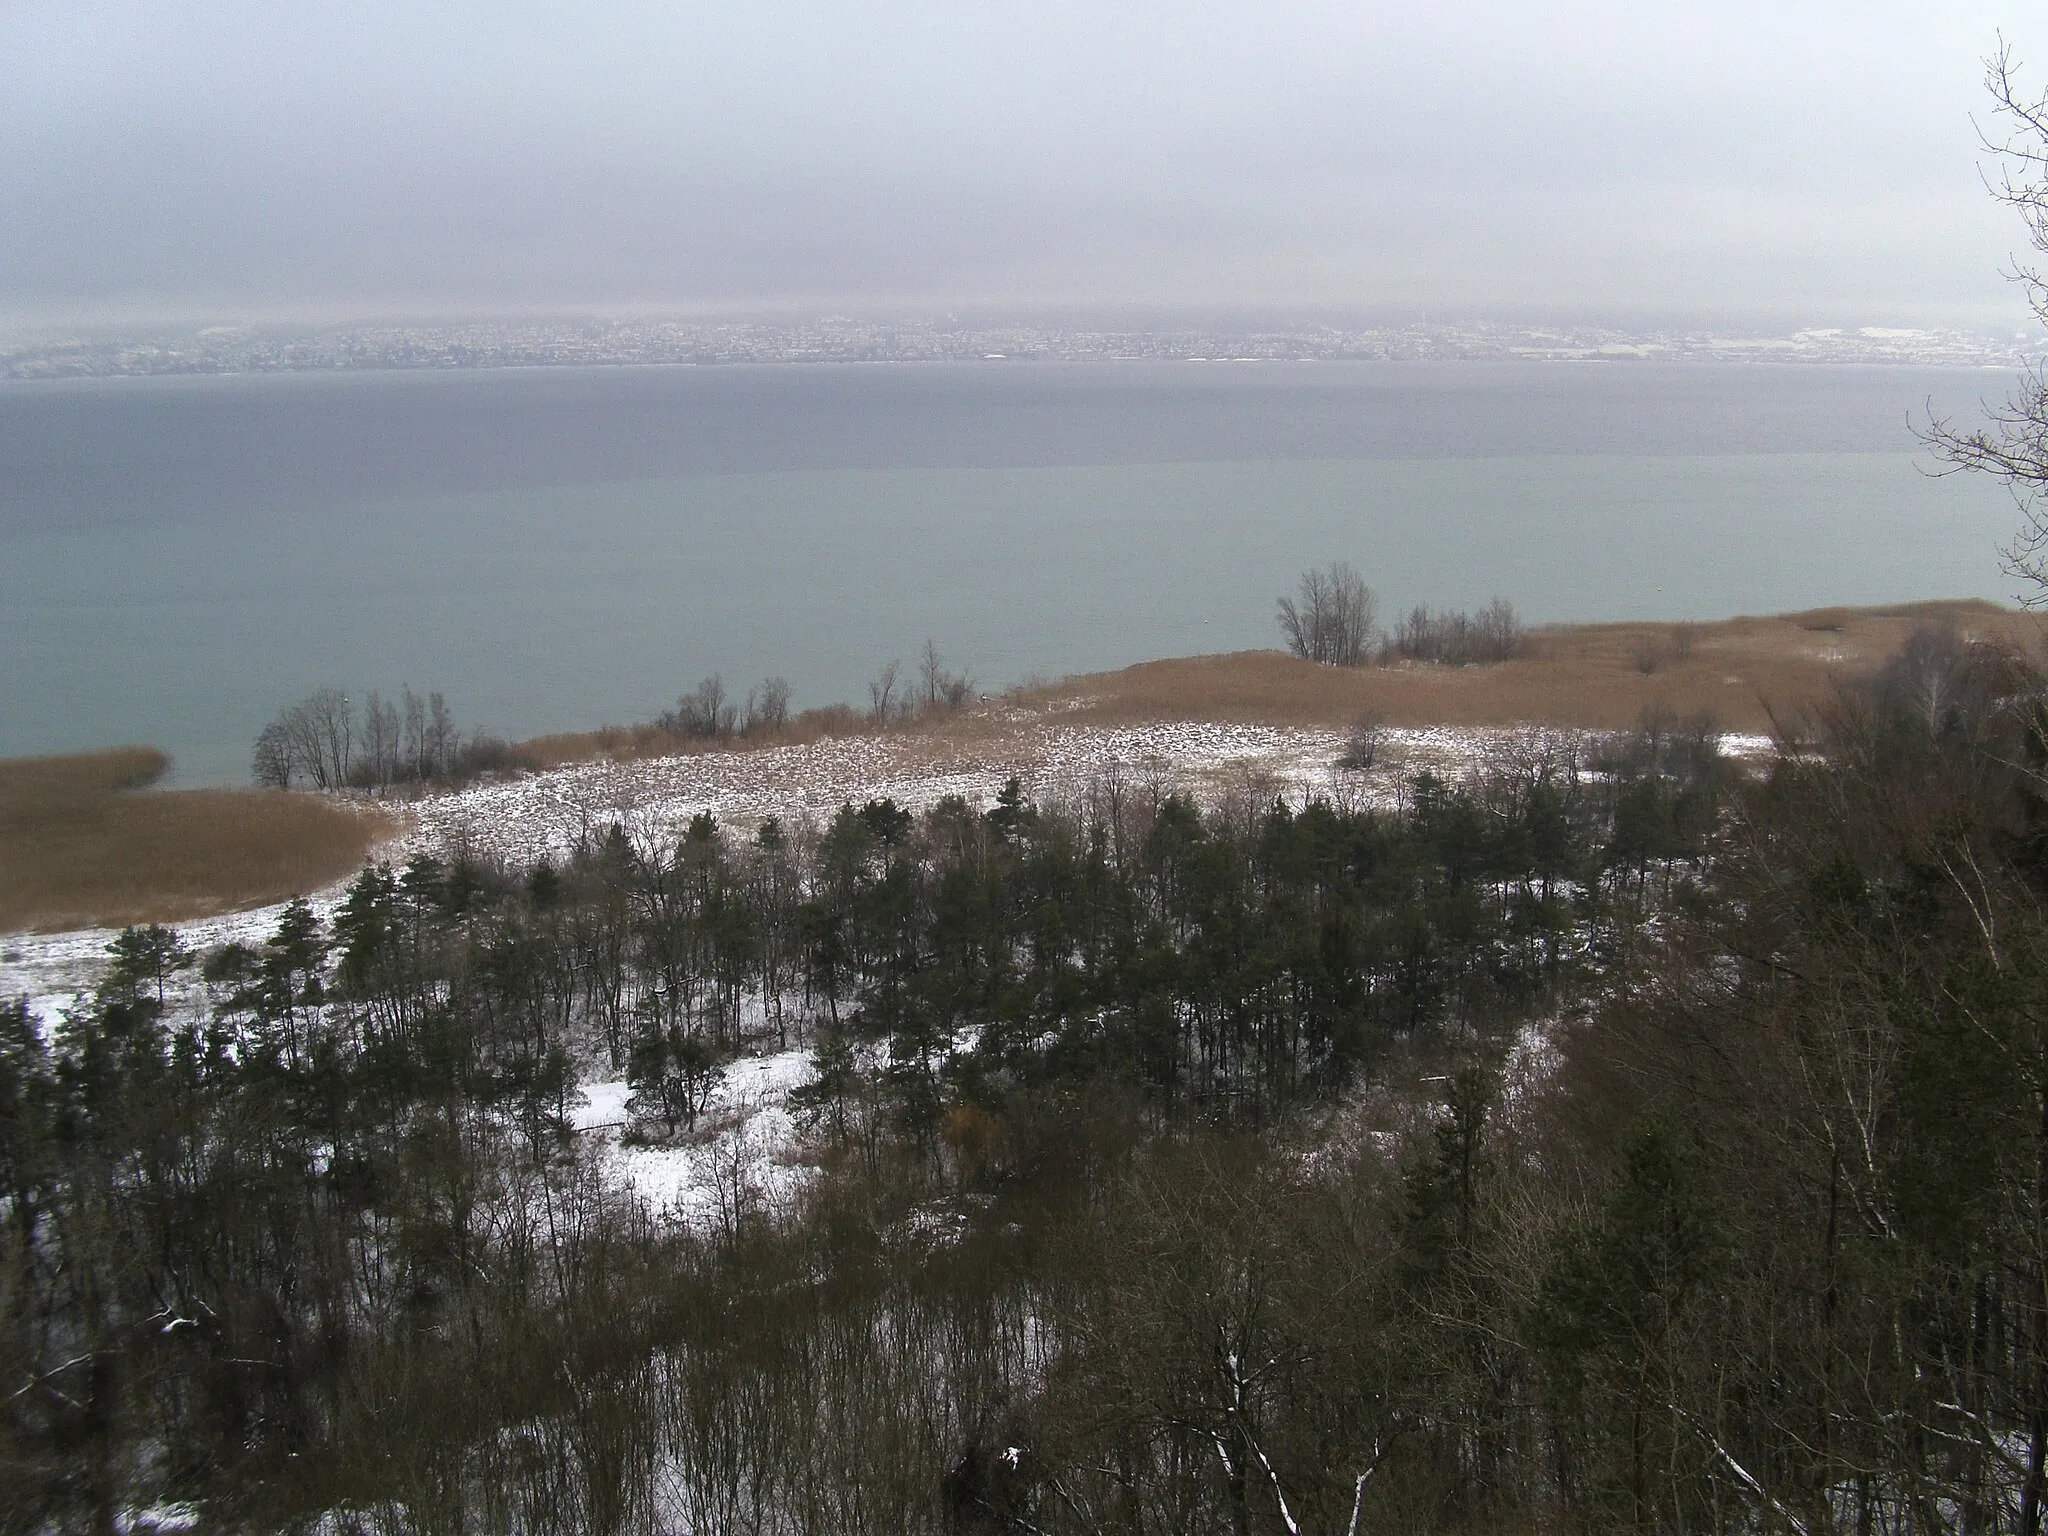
{"x":86,"y":841}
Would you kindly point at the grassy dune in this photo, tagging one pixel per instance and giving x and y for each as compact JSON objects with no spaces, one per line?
{"x":1744,"y":672}
{"x":84,"y":840}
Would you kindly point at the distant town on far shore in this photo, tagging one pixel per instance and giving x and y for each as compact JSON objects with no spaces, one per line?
{"x":571,"y":341}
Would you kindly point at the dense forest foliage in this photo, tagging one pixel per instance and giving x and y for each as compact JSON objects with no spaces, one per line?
{"x":1611,"y":1139}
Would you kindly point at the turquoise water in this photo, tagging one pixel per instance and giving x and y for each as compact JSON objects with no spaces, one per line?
{"x":557,"y":606}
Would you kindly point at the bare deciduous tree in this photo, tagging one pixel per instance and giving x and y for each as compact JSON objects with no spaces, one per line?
{"x":330,"y":720}
{"x":413,"y":746}
{"x":881,"y":694}
{"x":378,"y":763}
{"x":320,"y":741}
{"x":2014,"y":447}
{"x":441,"y":739}
{"x":272,"y":766}
{"x":313,"y":740}
{"x":767,"y":706}
{"x":1332,"y":620}
{"x":938,"y":688}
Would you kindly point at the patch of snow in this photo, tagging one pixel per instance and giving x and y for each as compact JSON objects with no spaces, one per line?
{"x":601,"y":1104}
{"x":158,"y":1520}
{"x":1738,"y":745}
{"x":45,"y":967}
{"x":46,"y":1011}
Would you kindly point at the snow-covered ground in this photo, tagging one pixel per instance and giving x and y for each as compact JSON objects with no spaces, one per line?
{"x":741,"y":1152}
{"x":546,"y":814}
{"x":52,"y":969}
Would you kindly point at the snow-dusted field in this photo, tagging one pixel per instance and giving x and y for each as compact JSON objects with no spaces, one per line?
{"x":545,"y":814}
{"x":741,"y":1153}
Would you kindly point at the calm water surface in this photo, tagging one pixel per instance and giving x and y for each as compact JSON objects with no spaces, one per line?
{"x":559,"y":548}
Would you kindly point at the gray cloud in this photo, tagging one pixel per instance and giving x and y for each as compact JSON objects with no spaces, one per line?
{"x":255,"y":158}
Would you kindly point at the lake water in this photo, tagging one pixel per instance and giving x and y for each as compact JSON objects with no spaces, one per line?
{"x":559,"y":548}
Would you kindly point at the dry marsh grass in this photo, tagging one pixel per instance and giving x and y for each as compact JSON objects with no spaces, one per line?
{"x":84,"y":841}
{"x":1746,"y":673}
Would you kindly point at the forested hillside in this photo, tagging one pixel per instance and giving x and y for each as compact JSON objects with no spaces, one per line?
{"x":1614,"y":1139}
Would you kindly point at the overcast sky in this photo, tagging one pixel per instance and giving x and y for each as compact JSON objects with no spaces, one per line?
{"x":283,"y":157}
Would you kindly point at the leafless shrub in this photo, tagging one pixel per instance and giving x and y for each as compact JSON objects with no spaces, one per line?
{"x":484,"y":753}
{"x":1685,"y":748}
{"x":706,"y":715}
{"x":1362,"y":743}
{"x":1493,"y":634}
{"x":829,"y":720}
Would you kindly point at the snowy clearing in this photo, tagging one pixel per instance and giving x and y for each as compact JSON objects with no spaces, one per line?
{"x":741,"y":1156}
